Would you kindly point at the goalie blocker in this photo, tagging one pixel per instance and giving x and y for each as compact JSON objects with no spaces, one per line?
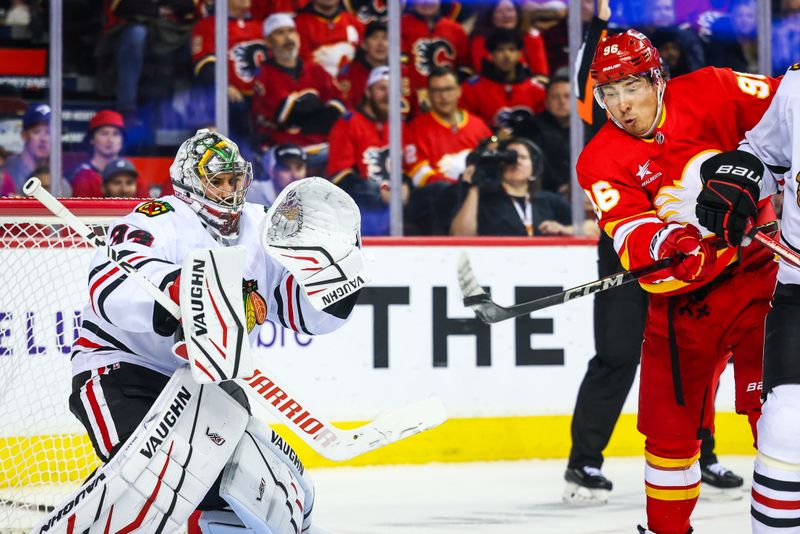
{"x":195,"y":445}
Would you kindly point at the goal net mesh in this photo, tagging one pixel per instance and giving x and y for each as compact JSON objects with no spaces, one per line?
{"x":44,"y":451}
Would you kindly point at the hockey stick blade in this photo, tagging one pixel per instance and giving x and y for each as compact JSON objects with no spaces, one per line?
{"x":391,"y":427}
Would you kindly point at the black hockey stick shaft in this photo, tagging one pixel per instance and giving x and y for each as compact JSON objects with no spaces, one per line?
{"x":491,"y":312}
{"x":501,"y":313}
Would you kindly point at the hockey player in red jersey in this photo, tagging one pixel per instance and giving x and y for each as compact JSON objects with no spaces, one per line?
{"x":642,"y":173}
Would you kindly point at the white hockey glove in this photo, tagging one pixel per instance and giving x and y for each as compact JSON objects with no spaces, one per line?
{"x":314,"y":230}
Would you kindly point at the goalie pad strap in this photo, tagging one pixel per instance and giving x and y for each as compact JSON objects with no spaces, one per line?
{"x":164,"y":470}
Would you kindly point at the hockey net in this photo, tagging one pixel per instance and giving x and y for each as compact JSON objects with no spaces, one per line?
{"x":44,"y":451}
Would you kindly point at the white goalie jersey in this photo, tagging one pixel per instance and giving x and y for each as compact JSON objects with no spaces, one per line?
{"x":775,"y":140}
{"x":121,"y":321}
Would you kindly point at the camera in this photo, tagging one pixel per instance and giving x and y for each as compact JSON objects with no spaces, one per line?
{"x":489,"y":166}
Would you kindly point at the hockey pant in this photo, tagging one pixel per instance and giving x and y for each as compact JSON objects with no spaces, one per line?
{"x":775,"y":496}
{"x":688,"y":341}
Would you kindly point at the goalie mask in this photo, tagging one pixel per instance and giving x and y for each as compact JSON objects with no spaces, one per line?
{"x":210,"y":174}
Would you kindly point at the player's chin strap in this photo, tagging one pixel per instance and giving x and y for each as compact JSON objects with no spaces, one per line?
{"x":314,"y":230}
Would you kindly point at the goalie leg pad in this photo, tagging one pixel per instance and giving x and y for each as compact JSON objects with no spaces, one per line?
{"x":266,"y":485}
{"x":163,"y":470}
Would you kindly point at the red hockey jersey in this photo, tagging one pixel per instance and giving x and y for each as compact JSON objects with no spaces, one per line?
{"x":329,"y":42}
{"x":488,"y":99}
{"x":534,"y":54}
{"x":361,"y":145}
{"x":640,"y":185}
{"x":246,"y":50}
{"x":443,"y":45}
{"x":435,"y":151}
{"x":274,"y":86}
{"x":352,"y":81}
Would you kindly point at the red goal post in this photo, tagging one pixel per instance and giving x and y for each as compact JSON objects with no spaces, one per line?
{"x":44,"y":451}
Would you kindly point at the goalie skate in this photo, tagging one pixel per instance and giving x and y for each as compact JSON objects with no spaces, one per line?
{"x":586,"y":486}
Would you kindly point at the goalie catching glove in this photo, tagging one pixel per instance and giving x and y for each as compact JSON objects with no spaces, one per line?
{"x":729,"y":199}
{"x":693,"y":257}
{"x":314,"y":230}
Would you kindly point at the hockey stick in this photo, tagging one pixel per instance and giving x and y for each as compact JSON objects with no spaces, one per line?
{"x":331,"y":442}
{"x":489,"y":312}
{"x":779,"y":249}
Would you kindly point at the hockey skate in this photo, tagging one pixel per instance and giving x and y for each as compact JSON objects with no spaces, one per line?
{"x":720,"y":483}
{"x":586,"y":486}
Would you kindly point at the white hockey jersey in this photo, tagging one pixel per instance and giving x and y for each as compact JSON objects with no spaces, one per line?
{"x":775,"y":140}
{"x":118,"y":323}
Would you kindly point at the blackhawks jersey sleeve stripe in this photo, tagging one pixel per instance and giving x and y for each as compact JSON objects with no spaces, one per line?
{"x":279,"y":301}
{"x":300,"y":310}
{"x":105,"y":336}
{"x":289,"y":301}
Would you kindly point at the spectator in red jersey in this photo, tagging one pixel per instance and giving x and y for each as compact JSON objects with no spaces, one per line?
{"x":105,"y":139}
{"x":295,"y":101}
{"x":246,"y":52}
{"x":507,"y":15}
{"x":367,"y":11}
{"x":438,"y":142}
{"x":119,"y":179}
{"x":359,"y":154}
{"x":429,"y":40}
{"x":329,"y":35}
{"x":373,"y":52}
{"x":504,"y":90}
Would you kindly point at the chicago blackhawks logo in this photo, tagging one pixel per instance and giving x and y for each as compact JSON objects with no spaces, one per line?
{"x":430,"y":53}
{"x":246,"y":57}
{"x":376,"y":160}
{"x":154,"y":208}
{"x":255,"y":308}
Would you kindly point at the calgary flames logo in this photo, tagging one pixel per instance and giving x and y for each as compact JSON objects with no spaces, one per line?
{"x":246,"y":57}
{"x":676,"y":203}
{"x":367,"y":10}
{"x":430,"y":53}
{"x":376,"y":160}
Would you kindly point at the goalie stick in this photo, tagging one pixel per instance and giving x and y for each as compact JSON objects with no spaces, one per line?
{"x":489,"y":311}
{"x":329,"y":441}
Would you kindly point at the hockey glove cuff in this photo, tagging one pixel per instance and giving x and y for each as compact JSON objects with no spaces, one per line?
{"x":731,"y":189}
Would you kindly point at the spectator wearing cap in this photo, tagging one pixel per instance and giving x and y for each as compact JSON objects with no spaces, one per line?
{"x":119,"y":179}
{"x":284,"y":164}
{"x":372,"y":52}
{"x":504,"y":92}
{"x":359,"y":154}
{"x":36,"y":144}
{"x":329,"y":35}
{"x":104,"y":140}
{"x":294,"y":102}
{"x":246,"y":52}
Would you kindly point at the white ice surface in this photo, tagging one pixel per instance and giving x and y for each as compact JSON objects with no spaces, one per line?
{"x":500,"y":497}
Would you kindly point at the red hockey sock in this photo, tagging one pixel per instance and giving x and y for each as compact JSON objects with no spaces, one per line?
{"x":672,"y":484}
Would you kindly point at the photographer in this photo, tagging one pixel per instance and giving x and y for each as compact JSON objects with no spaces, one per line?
{"x":500,"y":194}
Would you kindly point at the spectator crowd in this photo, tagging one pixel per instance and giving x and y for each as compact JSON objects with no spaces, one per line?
{"x":485,"y":97}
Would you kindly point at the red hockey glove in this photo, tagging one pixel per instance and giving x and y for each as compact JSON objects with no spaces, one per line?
{"x":694,"y":257}
{"x":729,"y":199}
{"x":164,"y":324}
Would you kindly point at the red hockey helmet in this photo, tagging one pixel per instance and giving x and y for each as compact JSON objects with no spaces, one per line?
{"x":622,"y":55}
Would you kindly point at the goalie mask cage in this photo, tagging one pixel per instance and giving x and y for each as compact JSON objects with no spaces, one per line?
{"x":44,"y":451}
